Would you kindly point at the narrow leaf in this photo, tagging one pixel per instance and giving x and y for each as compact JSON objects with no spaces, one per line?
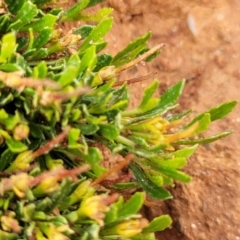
{"x":84,"y":31}
{"x":14,"y":6}
{"x":148,"y":92}
{"x":73,"y":13}
{"x":216,"y":113}
{"x":94,"y":2}
{"x":42,"y":38}
{"x":171,"y":95}
{"x":16,"y":146}
{"x":185,"y":152}
{"x":158,"y":224}
{"x":27,"y":12}
{"x":109,"y":131}
{"x":172,"y":173}
{"x":97,"y":34}
{"x":47,"y":20}
{"x":203,"y":140}
{"x":131,"y":51}
{"x":6,"y":158}
{"x":132,"y":206}
{"x":8,"y":45}
{"x":175,"y":163}
{"x":152,"y":190}
{"x":97,"y":17}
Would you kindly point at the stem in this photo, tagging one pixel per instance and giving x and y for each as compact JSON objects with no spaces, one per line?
{"x":134,"y":80}
{"x":139,"y":59}
{"x":115,"y":169}
{"x":51,"y":62}
{"x":125,"y":141}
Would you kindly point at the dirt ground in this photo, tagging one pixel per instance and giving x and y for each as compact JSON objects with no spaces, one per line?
{"x":202,"y":45}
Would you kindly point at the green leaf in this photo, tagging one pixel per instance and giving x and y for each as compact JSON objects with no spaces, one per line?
{"x":97,"y":17}
{"x":216,"y":113}
{"x":12,"y":121}
{"x":96,"y":34}
{"x":121,"y":93}
{"x":94,"y":2}
{"x":132,"y":206}
{"x":6,"y":158}
{"x":42,"y":38}
{"x":14,"y":6}
{"x":100,"y":46}
{"x":111,"y":215}
{"x":103,"y":60}
{"x":178,"y":116}
{"x":125,"y":185}
{"x":10,"y":67}
{"x":73,"y":12}
{"x":5,"y":99}
{"x":68,"y":75}
{"x":185,"y":152}
{"x":40,"y":54}
{"x":88,"y":60}
{"x":109,"y":131}
{"x":47,"y":20}
{"x":60,"y":195}
{"x":166,"y":103}
{"x":8,"y":236}
{"x":73,"y":138}
{"x":22,"y":42}
{"x":148,"y":92}
{"x":41,"y":2}
{"x":8,"y":45}
{"x":171,"y":95}
{"x":93,"y":157}
{"x":4,"y":22}
{"x":172,"y":173}
{"x":175,"y":163}
{"x":203,"y":123}
{"x":16,"y":146}
{"x":87,"y":129}
{"x":36,"y":131}
{"x":3,"y":114}
{"x":158,"y":224}
{"x":205,"y":140}
{"x":25,"y":15}
{"x":84,"y":31}
{"x":74,"y":60}
{"x":144,"y":236}
{"x":131,"y":51}
{"x":222,"y":110}
{"x":152,"y":189}
{"x":40,"y":71}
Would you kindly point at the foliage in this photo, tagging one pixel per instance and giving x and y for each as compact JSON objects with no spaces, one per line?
{"x":60,"y":97}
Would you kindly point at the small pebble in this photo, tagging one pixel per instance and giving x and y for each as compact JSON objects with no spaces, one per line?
{"x":193,"y":226}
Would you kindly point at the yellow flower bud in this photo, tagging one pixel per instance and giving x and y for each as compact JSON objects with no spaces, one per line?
{"x":22,"y":161}
{"x":21,"y":131}
{"x":48,"y":185}
{"x":53,"y":163}
{"x":79,"y":192}
{"x":21,"y":183}
{"x":127,"y":229}
{"x":95,"y":208}
{"x":10,"y":224}
{"x":52,"y":232}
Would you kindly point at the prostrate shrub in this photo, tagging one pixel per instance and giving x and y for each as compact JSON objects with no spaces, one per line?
{"x":59,"y":98}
